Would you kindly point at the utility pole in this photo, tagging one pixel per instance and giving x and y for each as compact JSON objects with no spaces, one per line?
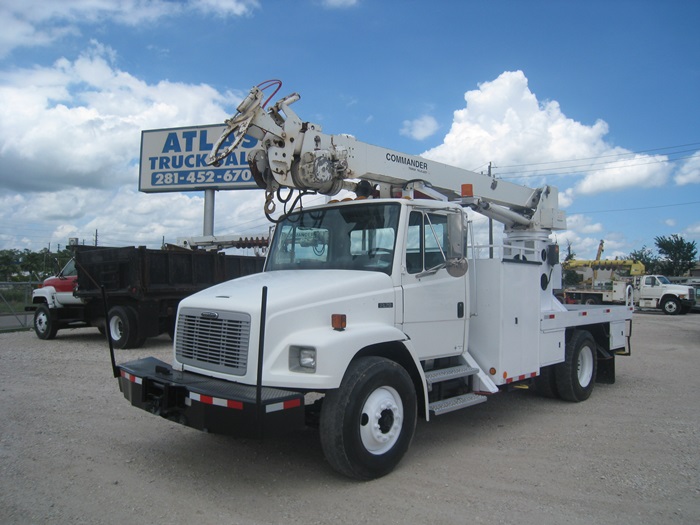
{"x":490,"y":226}
{"x":95,"y":236}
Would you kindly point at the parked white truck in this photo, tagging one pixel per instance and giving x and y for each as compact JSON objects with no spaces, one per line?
{"x":624,"y":282}
{"x":375,"y":310}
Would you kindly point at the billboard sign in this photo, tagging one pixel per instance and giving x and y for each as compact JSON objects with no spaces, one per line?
{"x":174,"y":159}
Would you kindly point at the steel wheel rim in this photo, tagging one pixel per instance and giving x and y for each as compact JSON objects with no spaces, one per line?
{"x":585,"y":366}
{"x":42,"y":322}
{"x":381,"y":420}
{"x":116,"y":329}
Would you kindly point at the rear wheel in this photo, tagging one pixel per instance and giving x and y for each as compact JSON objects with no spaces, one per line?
{"x":122,"y":327}
{"x":45,"y":326}
{"x":368,"y":423}
{"x":575,"y":377}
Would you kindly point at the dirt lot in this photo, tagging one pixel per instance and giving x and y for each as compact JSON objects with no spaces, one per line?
{"x":72,"y":450}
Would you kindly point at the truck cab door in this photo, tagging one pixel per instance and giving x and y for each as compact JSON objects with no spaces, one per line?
{"x":64,"y":284}
{"x":651,"y":288}
{"x":434,"y":302}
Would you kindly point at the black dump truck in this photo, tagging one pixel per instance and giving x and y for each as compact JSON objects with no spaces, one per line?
{"x":143,"y":288}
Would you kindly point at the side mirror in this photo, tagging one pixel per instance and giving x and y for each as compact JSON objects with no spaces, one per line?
{"x":457,"y":266}
{"x":57,"y":268}
{"x":456,"y":249}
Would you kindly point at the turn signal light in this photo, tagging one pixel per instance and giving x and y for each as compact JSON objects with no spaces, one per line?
{"x":339,"y":322}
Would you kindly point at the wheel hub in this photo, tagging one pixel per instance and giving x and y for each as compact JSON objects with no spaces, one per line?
{"x":585,"y":366}
{"x":386,"y":421}
{"x":115,"y":327}
{"x":381,"y":420}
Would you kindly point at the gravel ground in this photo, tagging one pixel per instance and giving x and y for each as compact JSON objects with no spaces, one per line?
{"x":72,"y":450}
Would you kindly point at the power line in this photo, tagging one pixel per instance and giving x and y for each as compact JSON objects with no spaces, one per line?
{"x":637,"y":208}
{"x":588,"y":168}
{"x":607,"y":156}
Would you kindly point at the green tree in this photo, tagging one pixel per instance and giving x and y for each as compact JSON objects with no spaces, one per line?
{"x":677,"y":255}
{"x":9,"y":261}
{"x":26,"y":265}
{"x":648,"y":258}
{"x":570,"y":277}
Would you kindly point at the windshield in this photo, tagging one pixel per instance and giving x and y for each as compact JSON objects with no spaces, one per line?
{"x":69,"y":269}
{"x":663,"y":280}
{"x":360,"y":236}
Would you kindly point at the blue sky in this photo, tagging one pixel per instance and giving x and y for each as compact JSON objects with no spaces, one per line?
{"x":596,"y":98}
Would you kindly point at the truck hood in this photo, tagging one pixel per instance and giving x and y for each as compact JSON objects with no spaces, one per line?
{"x":290,"y":289}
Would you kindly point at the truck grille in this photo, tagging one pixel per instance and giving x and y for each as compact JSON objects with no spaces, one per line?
{"x":216,"y":341}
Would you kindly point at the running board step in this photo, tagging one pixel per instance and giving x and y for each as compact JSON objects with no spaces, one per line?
{"x":455,"y":403}
{"x":444,"y":374}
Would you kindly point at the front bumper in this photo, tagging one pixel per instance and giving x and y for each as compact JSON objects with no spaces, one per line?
{"x":209,"y":404}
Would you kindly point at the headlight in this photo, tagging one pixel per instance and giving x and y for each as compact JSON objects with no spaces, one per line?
{"x":302,"y":359}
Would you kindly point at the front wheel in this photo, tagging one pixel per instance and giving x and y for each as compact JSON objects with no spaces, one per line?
{"x":671,"y":306}
{"x":575,"y":377}
{"x":368,"y":423}
{"x":45,"y":326}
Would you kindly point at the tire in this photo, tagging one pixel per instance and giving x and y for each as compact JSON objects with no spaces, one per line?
{"x":545,"y":384}
{"x":671,"y":306}
{"x":368,"y":423}
{"x":122,"y":327}
{"x":590,"y":301}
{"x":575,"y":377}
{"x":45,"y":326}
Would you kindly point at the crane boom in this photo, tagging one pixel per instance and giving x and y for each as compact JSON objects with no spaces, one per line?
{"x":296,"y":154}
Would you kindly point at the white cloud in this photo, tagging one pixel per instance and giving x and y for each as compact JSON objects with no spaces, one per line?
{"x":33,"y":23}
{"x":340,"y":3}
{"x":689,"y":172}
{"x":224,"y":8}
{"x":583,"y":224}
{"x":566,"y":198}
{"x":693,"y":231}
{"x":420,"y":128}
{"x":79,"y":122}
{"x":504,"y":122}
{"x":637,"y":171}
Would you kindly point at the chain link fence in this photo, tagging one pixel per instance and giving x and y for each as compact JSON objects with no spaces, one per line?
{"x":14,"y":296}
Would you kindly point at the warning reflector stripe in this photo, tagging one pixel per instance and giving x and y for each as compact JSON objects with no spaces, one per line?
{"x":521,"y":377}
{"x":220,"y":402}
{"x":284,"y":405}
{"x":131,"y":378}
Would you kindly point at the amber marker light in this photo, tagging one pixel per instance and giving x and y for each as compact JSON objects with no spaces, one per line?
{"x":339,"y":322}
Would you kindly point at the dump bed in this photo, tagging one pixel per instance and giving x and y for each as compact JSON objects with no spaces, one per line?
{"x":141,"y":273}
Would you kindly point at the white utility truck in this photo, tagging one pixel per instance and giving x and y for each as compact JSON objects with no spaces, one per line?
{"x":375,"y":310}
{"x":624,"y":282}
